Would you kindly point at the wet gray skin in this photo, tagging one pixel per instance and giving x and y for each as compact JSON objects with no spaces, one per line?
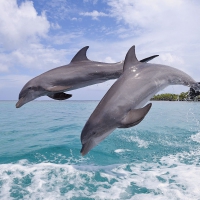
{"x":121,"y":107}
{"x":80,"y":72}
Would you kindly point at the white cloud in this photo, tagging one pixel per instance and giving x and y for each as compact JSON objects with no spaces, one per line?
{"x":4,"y":62}
{"x":108,"y":59}
{"x":176,"y":18}
{"x":21,"y":31}
{"x":94,"y":14}
{"x":39,"y":57}
{"x":55,"y":26}
{"x":3,"y":68}
{"x":74,"y":18}
{"x":168,"y":58}
{"x":93,"y":1}
{"x":57,"y":9}
{"x":33,"y":56}
{"x":13,"y":81}
{"x":20,"y":24}
{"x":168,"y":28}
{"x":63,"y":38}
{"x":153,"y":13}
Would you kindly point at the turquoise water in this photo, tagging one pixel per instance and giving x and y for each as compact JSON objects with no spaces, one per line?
{"x":40,"y":154}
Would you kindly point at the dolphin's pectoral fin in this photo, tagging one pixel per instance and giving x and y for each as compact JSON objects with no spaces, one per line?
{"x":148,"y":59}
{"x":59,"y":96}
{"x":81,"y":55}
{"x":134,"y":117}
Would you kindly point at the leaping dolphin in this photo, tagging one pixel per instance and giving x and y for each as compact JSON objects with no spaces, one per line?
{"x":121,"y":107}
{"x":80,"y":72}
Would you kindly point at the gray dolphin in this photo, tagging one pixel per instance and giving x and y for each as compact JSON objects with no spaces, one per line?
{"x":80,"y":72}
{"x":121,"y":107}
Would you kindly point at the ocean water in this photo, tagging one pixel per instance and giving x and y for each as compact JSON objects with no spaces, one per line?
{"x":40,"y":154}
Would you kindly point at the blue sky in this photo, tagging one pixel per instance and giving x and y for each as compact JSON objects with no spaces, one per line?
{"x":39,"y":35}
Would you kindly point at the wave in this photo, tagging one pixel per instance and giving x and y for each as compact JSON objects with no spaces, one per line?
{"x":171,"y":177}
{"x":196,"y":137}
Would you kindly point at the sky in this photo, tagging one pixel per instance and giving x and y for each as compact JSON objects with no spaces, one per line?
{"x":38,"y":35}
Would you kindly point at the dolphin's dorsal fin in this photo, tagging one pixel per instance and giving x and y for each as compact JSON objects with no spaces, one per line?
{"x":134,"y":117}
{"x":81,"y":55}
{"x":130,"y":59}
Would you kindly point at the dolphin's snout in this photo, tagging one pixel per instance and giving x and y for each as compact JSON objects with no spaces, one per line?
{"x":19,"y":103}
{"x":86,"y":147}
{"x":82,"y":152}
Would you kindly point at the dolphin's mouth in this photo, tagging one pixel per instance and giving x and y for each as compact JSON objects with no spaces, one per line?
{"x":86,"y":147}
{"x":20,"y":103}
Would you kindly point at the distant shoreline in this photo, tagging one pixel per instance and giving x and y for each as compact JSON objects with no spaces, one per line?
{"x":176,"y":100}
{"x":184,"y":96}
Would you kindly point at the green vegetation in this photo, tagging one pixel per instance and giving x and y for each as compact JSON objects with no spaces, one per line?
{"x":173,"y":97}
{"x":165,"y":97}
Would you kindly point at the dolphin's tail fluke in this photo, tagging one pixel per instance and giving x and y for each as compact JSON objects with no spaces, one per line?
{"x":194,"y":91}
{"x":148,"y":59}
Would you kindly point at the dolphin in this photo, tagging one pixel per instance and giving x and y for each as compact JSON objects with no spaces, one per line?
{"x":122,"y":105}
{"x":80,"y":72}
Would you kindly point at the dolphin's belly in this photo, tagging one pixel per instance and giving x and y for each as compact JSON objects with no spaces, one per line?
{"x":144,"y":90}
{"x":131,"y":94}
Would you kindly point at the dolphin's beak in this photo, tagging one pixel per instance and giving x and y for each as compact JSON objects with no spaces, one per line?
{"x":87,"y":147}
{"x":20,"y":103}
{"x":83,"y":150}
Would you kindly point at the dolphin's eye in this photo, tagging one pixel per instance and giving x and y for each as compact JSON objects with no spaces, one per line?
{"x":31,"y":88}
{"x":93,"y":133}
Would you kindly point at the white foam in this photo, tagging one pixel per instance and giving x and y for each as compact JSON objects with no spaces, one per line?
{"x":169,"y":178}
{"x":196,"y":137}
{"x":121,"y":150}
{"x":140,"y":143}
{"x":132,"y":136}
